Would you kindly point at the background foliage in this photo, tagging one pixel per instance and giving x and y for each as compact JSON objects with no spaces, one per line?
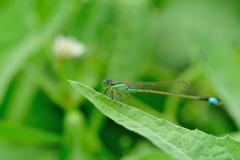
{"x":41,"y":114}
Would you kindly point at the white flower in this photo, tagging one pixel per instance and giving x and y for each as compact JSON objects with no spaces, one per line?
{"x":68,"y":47}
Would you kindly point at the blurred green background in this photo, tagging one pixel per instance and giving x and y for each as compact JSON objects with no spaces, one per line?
{"x":45,"y":43}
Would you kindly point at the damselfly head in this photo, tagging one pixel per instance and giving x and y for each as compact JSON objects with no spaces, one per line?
{"x":106,"y":82}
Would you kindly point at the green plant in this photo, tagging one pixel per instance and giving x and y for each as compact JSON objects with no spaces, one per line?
{"x":177,"y":141}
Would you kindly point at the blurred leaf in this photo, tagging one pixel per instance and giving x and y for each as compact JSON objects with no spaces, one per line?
{"x":97,"y":121}
{"x":13,"y":27}
{"x":148,"y":155}
{"x":74,"y":128}
{"x":48,"y":85}
{"x":131,"y":47}
{"x":97,"y":16}
{"x":206,"y":117}
{"x":42,"y":112}
{"x":178,"y":19}
{"x":79,"y":142}
{"x":221,"y":65}
{"x":12,"y":151}
{"x":54,"y":84}
{"x":178,"y":142}
{"x":21,"y":99}
{"x":12,"y":59}
{"x":143,"y":150}
{"x":235,"y":135}
{"x":28,"y":135}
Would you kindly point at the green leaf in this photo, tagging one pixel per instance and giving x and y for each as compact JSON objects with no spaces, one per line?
{"x":79,"y":141}
{"x":137,"y":35}
{"x":178,"y":142}
{"x":12,"y":59}
{"x":27,"y":152}
{"x":143,"y":150}
{"x":74,"y":131}
{"x":221,"y":66}
{"x":20,"y":104}
{"x":27,"y":135}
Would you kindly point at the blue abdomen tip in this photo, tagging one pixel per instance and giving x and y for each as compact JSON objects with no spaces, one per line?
{"x":214,"y":100}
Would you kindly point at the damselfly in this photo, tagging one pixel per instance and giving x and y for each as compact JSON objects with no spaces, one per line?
{"x":174,"y":88}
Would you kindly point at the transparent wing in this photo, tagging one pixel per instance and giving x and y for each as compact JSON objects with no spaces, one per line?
{"x":178,"y":87}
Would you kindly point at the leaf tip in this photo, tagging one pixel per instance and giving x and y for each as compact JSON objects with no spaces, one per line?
{"x":70,"y":81}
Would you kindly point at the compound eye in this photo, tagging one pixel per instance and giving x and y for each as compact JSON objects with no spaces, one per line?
{"x":105,"y":82}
